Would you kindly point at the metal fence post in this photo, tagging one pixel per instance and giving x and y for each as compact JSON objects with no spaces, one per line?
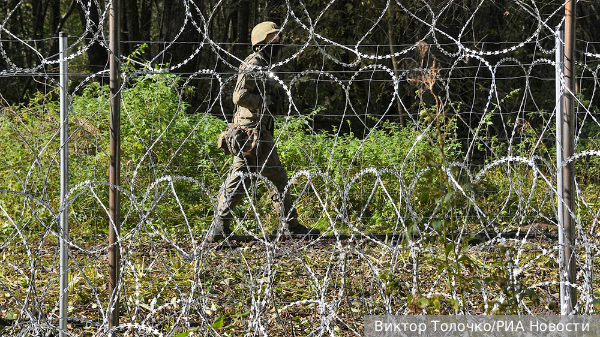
{"x":559,"y":59}
{"x":64,"y":183}
{"x":114,"y":251}
{"x":568,"y":150}
{"x":560,"y":95}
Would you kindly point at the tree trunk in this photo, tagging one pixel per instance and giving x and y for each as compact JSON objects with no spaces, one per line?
{"x":243,"y":32}
{"x":54,"y":18}
{"x":38,"y":18}
{"x":174,"y":16}
{"x":145,"y":20}
{"x":97,"y":55}
{"x":395,"y":64}
{"x":587,"y":22}
{"x":133,"y":25}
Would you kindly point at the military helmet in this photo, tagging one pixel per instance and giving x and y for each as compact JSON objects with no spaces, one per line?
{"x":262,"y":30}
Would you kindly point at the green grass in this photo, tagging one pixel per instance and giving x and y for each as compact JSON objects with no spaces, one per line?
{"x":394,"y":179}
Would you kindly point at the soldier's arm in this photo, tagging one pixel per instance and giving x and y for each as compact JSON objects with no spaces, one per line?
{"x":278,"y":95}
{"x":246,"y":93}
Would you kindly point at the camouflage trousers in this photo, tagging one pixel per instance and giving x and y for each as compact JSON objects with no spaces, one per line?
{"x":266,"y":163}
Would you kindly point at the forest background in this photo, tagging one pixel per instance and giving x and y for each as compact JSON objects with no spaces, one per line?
{"x":434,"y":88}
{"x":487,"y":26}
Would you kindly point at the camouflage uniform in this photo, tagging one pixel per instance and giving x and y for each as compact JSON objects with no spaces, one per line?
{"x":256,"y":99}
{"x":253,"y":95}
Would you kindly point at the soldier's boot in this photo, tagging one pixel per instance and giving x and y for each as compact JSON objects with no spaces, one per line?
{"x":220,"y":230}
{"x":295,"y":228}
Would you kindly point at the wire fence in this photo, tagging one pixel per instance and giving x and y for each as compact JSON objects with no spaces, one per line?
{"x":429,"y":168}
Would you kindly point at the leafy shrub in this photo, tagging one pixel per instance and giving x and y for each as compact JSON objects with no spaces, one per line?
{"x":158,"y":138}
{"x":369,"y":174}
{"x":365,"y":180}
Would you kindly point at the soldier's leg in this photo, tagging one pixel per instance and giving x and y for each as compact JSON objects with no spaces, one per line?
{"x":270,"y":166}
{"x":283,"y":204}
{"x":234,"y":190}
{"x":230,"y":197}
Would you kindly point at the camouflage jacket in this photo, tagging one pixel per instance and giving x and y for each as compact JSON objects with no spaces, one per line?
{"x":251,"y":91}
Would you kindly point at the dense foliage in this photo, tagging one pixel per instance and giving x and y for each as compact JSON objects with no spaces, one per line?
{"x":160,"y":138}
{"x":328,"y":34}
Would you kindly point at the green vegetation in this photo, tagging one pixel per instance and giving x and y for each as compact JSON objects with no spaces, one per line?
{"x":392,"y":179}
{"x":390,"y":173}
{"x":457,"y":151}
{"x":159,"y":138}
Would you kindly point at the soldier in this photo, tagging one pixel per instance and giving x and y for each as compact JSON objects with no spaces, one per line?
{"x":256,"y":99}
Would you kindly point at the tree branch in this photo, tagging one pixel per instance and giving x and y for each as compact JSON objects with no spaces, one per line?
{"x":63,"y":19}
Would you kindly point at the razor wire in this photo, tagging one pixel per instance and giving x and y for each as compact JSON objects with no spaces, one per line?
{"x":453,"y":212}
